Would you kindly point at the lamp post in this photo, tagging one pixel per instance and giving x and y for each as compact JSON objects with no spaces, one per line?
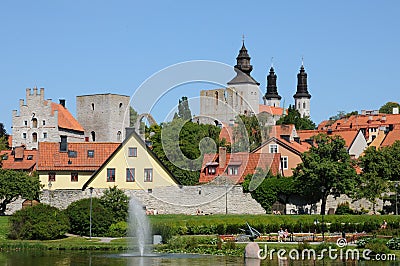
{"x":226,"y":198}
{"x":396,"y":185}
{"x":90,"y":215}
{"x":323,"y":213}
{"x":50,"y":185}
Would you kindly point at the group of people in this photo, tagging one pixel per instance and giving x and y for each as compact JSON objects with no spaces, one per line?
{"x":282,"y":235}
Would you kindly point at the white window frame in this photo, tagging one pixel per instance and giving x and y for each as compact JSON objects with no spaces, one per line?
{"x":285,"y":160}
{"x":273,"y":146}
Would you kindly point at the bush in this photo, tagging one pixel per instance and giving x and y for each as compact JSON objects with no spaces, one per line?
{"x":117,"y":202}
{"x":377,"y":247}
{"x":393,"y":244}
{"x":167,"y":231}
{"x":344,"y":208}
{"x":78,"y":213}
{"x":118,"y":229}
{"x":40,"y":222}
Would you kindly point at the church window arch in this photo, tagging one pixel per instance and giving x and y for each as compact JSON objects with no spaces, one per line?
{"x":34,"y":122}
{"x":216,"y":98}
{"x":119,"y":136}
{"x":34,"y":137}
{"x":93,"y":134}
{"x":92,"y":106}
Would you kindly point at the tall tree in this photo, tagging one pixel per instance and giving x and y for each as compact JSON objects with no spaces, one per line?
{"x":326,"y":169}
{"x":387,"y":108}
{"x":14,"y":184}
{"x":183,"y":109}
{"x":133,"y":116}
{"x":3,"y":138}
{"x":293,"y":117}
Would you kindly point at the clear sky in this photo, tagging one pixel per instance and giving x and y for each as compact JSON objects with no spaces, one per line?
{"x":351,"y":49}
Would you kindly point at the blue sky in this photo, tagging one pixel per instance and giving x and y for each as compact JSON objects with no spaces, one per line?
{"x":350,"y":48}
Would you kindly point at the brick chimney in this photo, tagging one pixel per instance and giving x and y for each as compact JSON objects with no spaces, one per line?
{"x":222,"y":157}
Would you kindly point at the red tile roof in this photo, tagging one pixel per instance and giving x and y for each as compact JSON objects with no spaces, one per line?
{"x":19,"y":164}
{"x":363,"y":121}
{"x":270,"y":109}
{"x":50,"y":157}
{"x":391,"y":137}
{"x":282,"y":130}
{"x":248,"y":164}
{"x":226,"y":133}
{"x":348,"y":135}
{"x":9,"y":140}
{"x":65,"y":118}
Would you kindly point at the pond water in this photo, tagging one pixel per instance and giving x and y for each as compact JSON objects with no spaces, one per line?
{"x":77,"y":258}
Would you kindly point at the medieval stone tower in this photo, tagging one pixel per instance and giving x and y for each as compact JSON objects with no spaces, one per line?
{"x":104,"y":116}
{"x":41,"y":120}
{"x":302,"y":97}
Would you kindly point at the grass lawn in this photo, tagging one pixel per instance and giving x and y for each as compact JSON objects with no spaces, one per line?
{"x":3,"y":227}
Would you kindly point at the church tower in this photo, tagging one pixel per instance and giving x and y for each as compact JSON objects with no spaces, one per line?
{"x":272,"y":98}
{"x":302,"y":97}
{"x":245,"y":89}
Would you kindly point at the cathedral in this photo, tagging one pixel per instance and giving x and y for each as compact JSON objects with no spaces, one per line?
{"x":241,"y":96}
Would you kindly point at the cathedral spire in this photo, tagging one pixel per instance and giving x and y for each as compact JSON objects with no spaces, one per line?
{"x":302,"y":90}
{"x":243,"y":60}
{"x":272,"y":89}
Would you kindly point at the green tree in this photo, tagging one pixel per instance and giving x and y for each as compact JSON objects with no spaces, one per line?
{"x":387,"y":108}
{"x":15,"y":184}
{"x":183,"y":109}
{"x":342,"y":114}
{"x":271,"y":189}
{"x":375,"y":175}
{"x":117,"y":202}
{"x":293,"y":117}
{"x":3,"y":138}
{"x":133,"y":116}
{"x":326,"y":169}
{"x":180,"y":145}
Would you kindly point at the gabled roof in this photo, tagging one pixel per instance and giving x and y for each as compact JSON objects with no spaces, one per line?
{"x":364,"y":121}
{"x":65,"y":118}
{"x":226,"y":133}
{"x":140,"y":141}
{"x":293,"y":146}
{"x":391,"y":137}
{"x":13,"y":163}
{"x":242,"y":78}
{"x":52,"y":159}
{"x":248,"y":163}
{"x":347,"y":134}
{"x":271,"y":109}
{"x":283,"y":130}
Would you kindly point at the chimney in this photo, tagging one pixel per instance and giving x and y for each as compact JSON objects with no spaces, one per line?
{"x":396,"y":110}
{"x":129,"y":131}
{"x":222,"y":157}
{"x":35,"y":91}
{"x":42,"y":94}
{"x":62,"y":102}
{"x":329,"y":132}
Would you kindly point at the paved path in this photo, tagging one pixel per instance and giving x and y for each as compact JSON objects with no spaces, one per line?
{"x":102,"y":239}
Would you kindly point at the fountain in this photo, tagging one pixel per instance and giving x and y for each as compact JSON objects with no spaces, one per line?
{"x":139,"y":228}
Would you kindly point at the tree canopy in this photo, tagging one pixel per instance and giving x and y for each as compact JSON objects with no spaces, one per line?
{"x":3,"y":138}
{"x":14,"y":184}
{"x":387,"y":108}
{"x":293,"y":117}
{"x":326,"y":169}
{"x":183,"y":109}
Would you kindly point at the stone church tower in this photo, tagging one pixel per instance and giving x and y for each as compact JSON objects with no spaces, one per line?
{"x":240,"y":97}
{"x":104,"y":116}
{"x":302,"y":97}
{"x":271,"y":97}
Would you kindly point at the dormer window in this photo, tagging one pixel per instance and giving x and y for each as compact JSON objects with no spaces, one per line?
{"x":212,"y":170}
{"x":233,"y":170}
{"x":90,"y":154}
{"x":72,"y":154}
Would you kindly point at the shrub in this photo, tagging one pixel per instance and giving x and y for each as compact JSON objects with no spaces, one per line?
{"x":117,"y":202}
{"x":344,"y":208}
{"x":377,"y":247}
{"x":118,"y":229}
{"x":393,"y":244}
{"x":167,"y":231}
{"x":40,"y":222}
{"x":78,"y":213}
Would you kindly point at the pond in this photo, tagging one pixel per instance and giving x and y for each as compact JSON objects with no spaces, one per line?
{"x":77,"y":258}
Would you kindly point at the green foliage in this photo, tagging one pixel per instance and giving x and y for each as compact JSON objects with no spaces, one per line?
{"x":183,"y":109}
{"x":180,"y":145}
{"x":133,"y":116}
{"x":394,"y":243}
{"x":41,"y":222}
{"x":293,"y":117}
{"x":119,"y":229}
{"x":166,"y":230}
{"x":387,"y":108}
{"x":377,"y":246}
{"x":326,"y":169}
{"x":3,"y":138}
{"x":271,"y":189}
{"x":117,"y":202}
{"x":342,"y":114}
{"x":14,"y":184}
{"x":344,"y":208}
{"x":78,"y":213}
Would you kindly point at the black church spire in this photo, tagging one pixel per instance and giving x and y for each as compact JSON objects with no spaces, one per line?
{"x":272,"y":89}
{"x":302,"y":91}
{"x":243,"y":61}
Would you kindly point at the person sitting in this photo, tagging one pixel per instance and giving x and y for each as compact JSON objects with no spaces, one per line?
{"x":384,"y":224}
{"x":280,"y":235}
{"x":285,"y":234}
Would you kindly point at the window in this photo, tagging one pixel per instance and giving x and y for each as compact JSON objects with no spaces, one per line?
{"x":132,"y":152}
{"x":148,"y":175}
{"x":34,"y":122}
{"x":304,"y":105}
{"x":74,"y":177}
{"x":93,"y":106}
{"x":93,"y":135}
{"x":90,"y":153}
{"x":25,"y":123}
{"x":52,"y":177}
{"x":44,"y":135}
{"x":284,"y":162}
{"x":110,"y":174}
{"x":273,"y":148}
{"x":24,"y":135}
{"x":34,"y":137}
{"x":72,"y":154}
{"x":233,"y":170}
{"x":29,"y":157}
{"x":212,"y":170}
{"x":44,"y":122}
{"x":119,"y":136}
{"x":130,"y":174}
{"x":63,"y":144}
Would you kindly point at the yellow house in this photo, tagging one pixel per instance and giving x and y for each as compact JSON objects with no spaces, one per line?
{"x":132,"y":166}
{"x":71,"y":165}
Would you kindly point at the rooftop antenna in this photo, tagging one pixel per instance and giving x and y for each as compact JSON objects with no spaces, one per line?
{"x":302,"y":60}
